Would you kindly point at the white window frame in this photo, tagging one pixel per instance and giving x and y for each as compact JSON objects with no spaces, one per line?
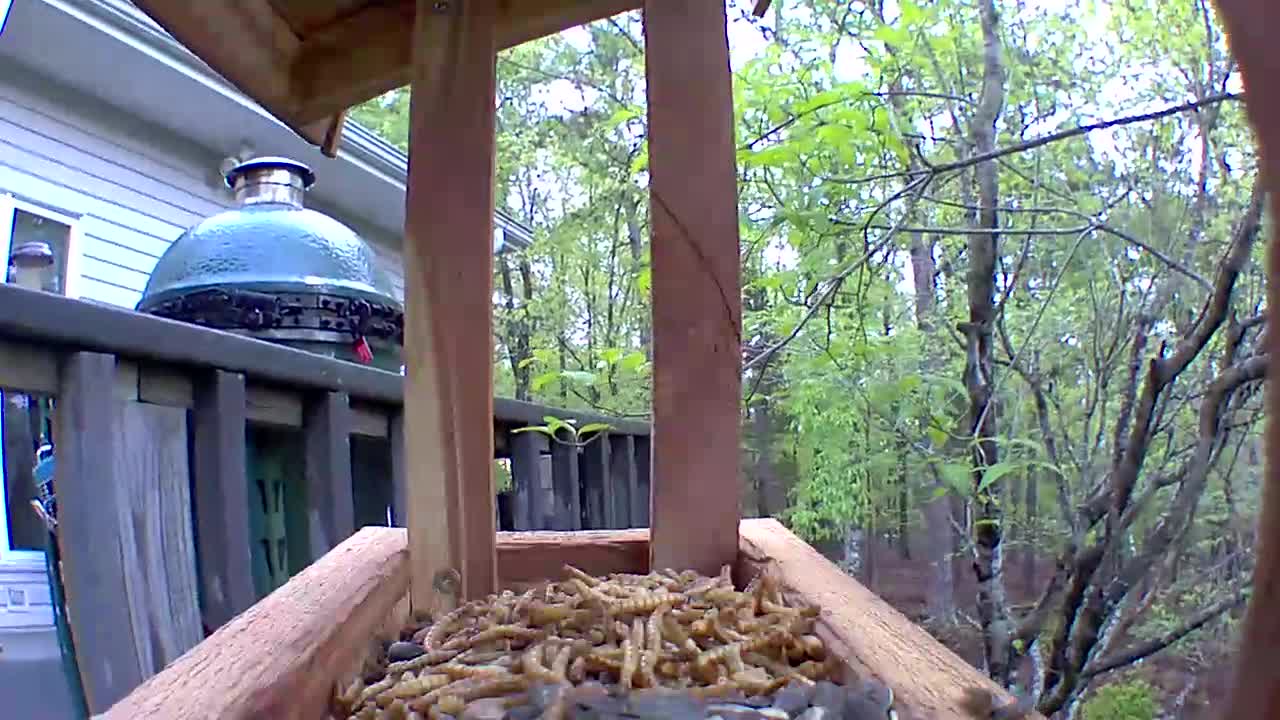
{"x":9,"y":205}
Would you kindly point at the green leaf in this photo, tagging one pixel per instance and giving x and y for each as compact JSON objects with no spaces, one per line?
{"x":536,"y":428}
{"x":594,"y":427}
{"x":526,"y":362}
{"x":956,"y":475}
{"x":632,"y":361}
{"x":991,"y":474}
{"x":580,"y":377}
{"x":541,"y":381}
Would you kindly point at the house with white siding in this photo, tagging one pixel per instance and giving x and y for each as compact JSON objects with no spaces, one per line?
{"x":113,"y":141}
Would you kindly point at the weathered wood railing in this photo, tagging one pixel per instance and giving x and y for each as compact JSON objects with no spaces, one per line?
{"x":164,"y":432}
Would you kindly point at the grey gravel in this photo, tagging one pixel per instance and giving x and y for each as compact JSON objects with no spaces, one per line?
{"x":867,"y":700}
{"x":404,"y":650}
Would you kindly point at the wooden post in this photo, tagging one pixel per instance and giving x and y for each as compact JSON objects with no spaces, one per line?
{"x":697,"y":300}
{"x":93,"y":567}
{"x":448,"y":264}
{"x":221,"y":493}
{"x":620,"y":492}
{"x":1251,"y":26}
{"x":330,"y":503}
{"x":564,"y":480}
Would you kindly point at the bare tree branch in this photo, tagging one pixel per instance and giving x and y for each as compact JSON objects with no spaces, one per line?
{"x":1045,"y":140}
{"x":1151,"y":647}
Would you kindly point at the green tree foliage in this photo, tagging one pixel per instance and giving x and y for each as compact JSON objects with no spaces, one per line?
{"x":1094,"y":395}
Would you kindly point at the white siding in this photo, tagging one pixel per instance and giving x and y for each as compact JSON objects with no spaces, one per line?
{"x":133,"y":188}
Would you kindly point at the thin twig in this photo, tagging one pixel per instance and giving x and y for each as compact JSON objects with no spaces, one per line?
{"x":1045,"y":140}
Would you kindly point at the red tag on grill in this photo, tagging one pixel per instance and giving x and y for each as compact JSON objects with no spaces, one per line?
{"x":363,"y":353}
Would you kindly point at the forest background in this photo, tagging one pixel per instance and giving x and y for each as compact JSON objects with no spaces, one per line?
{"x":1003,"y":299}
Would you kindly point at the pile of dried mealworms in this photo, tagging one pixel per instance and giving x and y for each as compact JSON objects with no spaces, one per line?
{"x":665,"y":629}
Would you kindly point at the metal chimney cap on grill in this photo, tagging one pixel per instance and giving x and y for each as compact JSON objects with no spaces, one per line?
{"x":268,"y":163}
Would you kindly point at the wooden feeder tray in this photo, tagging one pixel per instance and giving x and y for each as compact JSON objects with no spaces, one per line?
{"x":287,"y":655}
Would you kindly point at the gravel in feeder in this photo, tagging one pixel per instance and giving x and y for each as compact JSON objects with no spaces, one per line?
{"x":626,"y":647}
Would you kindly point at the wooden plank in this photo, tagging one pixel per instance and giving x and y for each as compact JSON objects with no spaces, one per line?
{"x":49,"y":319}
{"x":28,"y":367}
{"x":399,"y":473}
{"x":873,"y":639}
{"x":529,"y":511}
{"x":257,"y":62}
{"x":330,"y":504}
{"x":528,"y":557}
{"x":621,"y":487}
{"x":221,"y":489}
{"x":697,"y":298}
{"x":642,"y":489}
{"x":567,"y":509}
{"x":370,"y":52}
{"x":594,"y":478}
{"x":273,"y":406}
{"x":369,"y":420}
{"x":1251,"y":27}
{"x":162,"y":385}
{"x":93,"y":568}
{"x":156,"y":539}
{"x":280,"y":658}
{"x":448,"y":263}
{"x":126,"y":382}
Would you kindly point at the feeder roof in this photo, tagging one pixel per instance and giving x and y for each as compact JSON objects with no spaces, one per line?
{"x":307,"y":61}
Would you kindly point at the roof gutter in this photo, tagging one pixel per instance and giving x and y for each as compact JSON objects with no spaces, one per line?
{"x":358,"y":144}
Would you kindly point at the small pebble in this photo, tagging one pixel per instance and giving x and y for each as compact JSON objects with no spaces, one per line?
{"x":878,"y":693}
{"x":662,"y":704}
{"x":818,"y":712}
{"x":733,"y":711}
{"x":403,"y":650}
{"x":544,"y":694}
{"x":829,"y":696}
{"x":758,"y":701}
{"x":523,"y":712}
{"x":793,"y":698}
{"x":859,"y":707}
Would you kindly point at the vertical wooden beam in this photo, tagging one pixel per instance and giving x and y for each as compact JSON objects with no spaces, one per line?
{"x":399,"y":473}
{"x":448,"y":263}
{"x":326,"y":427}
{"x":564,"y":481}
{"x":220,"y":490}
{"x":697,"y":300}
{"x":526,"y":481}
{"x":621,"y":488}
{"x":93,"y":568}
{"x":594,"y":477}
{"x":642,"y":487}
{"x":1251,"y":27}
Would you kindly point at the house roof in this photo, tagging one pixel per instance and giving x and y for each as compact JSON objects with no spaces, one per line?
{"x":102,"y":41}
{"x":307,"y":61}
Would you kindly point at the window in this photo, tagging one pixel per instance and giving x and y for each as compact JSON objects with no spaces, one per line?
{"x":41,"y":251}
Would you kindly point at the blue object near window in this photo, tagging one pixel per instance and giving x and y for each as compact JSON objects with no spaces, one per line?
{"x":5,"y":7}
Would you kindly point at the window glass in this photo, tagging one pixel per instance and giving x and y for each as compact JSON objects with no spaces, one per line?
{"x":39,"y":249}
{"x":34,"y":237}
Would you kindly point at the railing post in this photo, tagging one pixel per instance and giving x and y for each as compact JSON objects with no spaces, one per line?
{"x":89,"y":530}
{"x":641,"y":495}
{"x":399,"y":492}
{"x":564,"y":479}
{"x":330,"y":504}
{"x":220,"y":490}
{"x":595,"y":482}
{"x":530,"y":511}
{"x":620,"y":486}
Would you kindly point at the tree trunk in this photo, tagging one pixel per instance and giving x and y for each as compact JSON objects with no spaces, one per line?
{"x":988,"y":527}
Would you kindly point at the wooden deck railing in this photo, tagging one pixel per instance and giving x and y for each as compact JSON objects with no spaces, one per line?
{"x":162,"y":428}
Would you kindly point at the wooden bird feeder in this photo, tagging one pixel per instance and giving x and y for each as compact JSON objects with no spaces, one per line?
{"x":307,"y":61}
